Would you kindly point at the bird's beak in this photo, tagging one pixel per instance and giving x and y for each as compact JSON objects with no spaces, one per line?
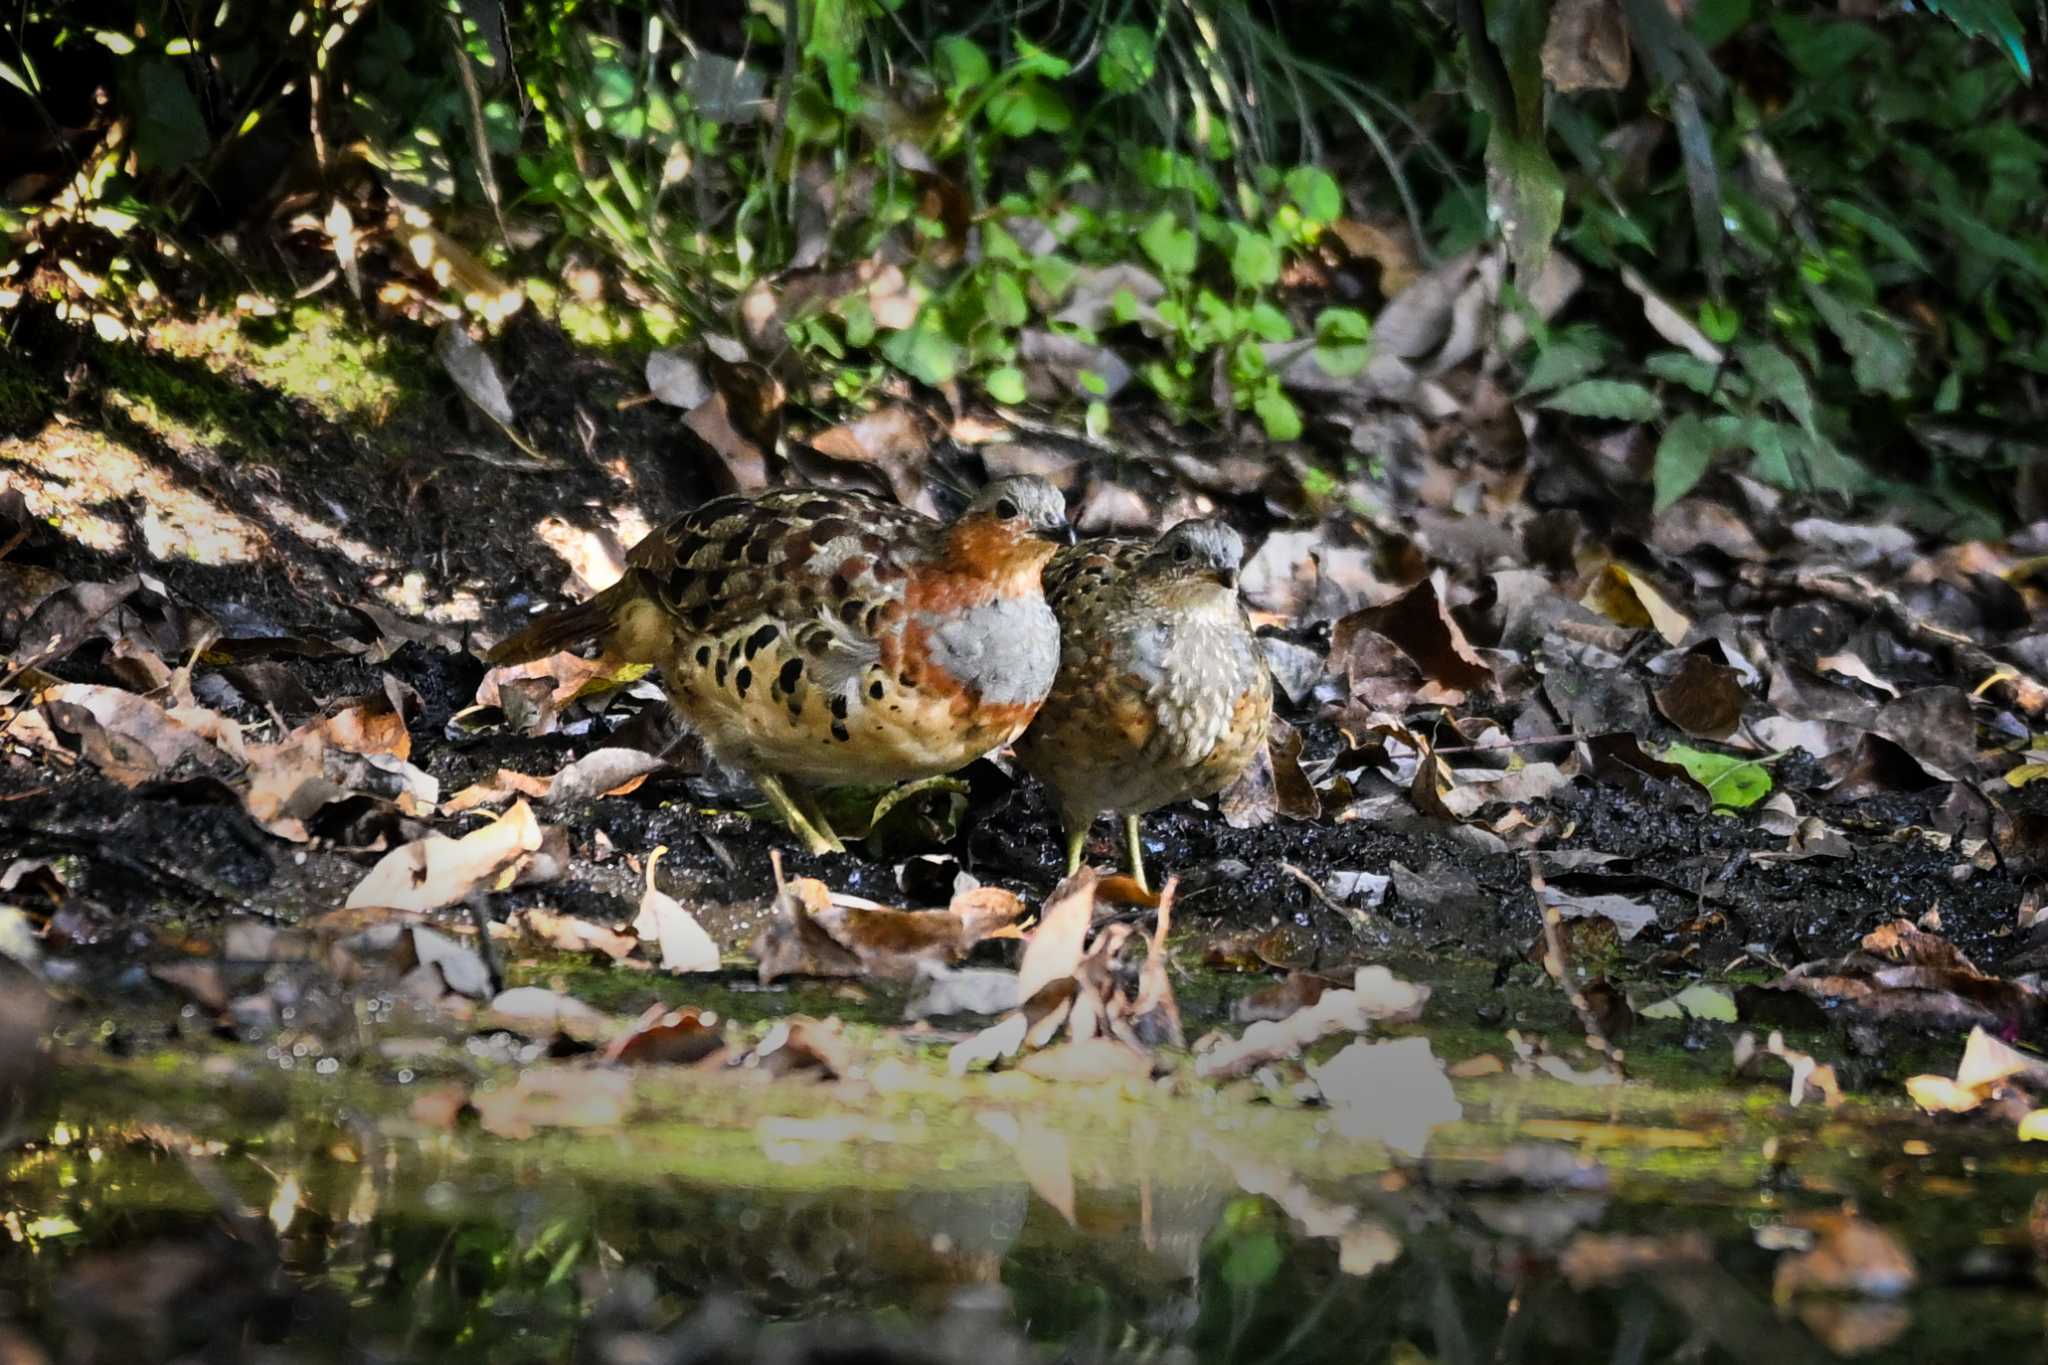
{"x":1062,"y":534}
{"x":1225,"y":578}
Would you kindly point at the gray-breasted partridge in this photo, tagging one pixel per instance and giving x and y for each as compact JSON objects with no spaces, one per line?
{"x":816,"y":638}
{"x":1162,"y":693}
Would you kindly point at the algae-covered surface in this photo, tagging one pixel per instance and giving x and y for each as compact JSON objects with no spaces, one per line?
{"x":179,"y":1194}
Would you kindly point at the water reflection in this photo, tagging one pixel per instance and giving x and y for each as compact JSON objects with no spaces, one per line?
{"x":342,"y":1240}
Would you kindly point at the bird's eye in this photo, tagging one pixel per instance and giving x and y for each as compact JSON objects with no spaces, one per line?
{"x":1183,"y":553}
{"x":1006,"y":508}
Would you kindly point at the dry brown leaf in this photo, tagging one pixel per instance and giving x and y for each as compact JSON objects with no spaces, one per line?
{"x":683,"y":944}
{"x":567,"y":677}
{"x":1586,"y":47}
{"x":1419,"y":623}
{"x":1703,"y":698}
{"x":819,"y":934}
{"x":669,"y":1037}
{"x":438,"y":871}
{"x":800,"y":1045}
{"x":1054,"y":949}
{"x":894,"y":439}
{"x":570,"y":934}
{"x":128,"y":737}
{"x":504,"y":785}
{"x":1391,"y":249}
{"x":1625,"y":597}
{"x":372,"y":726}
{"x":1155,"y":1014}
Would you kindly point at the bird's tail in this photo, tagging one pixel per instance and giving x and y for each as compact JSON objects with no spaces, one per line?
{"x":568,"y":627}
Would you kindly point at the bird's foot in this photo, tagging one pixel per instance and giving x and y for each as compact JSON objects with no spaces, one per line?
{"x":802,"y":815}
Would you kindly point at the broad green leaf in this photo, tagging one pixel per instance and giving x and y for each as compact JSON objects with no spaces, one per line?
{"x":612,"y":85}
{"x":1683,"y":458}
{"x":1276,"y":411}
{"x":1251,"y":1262}
{"x":1028,"y":107}
{"x":1702,"y":179}
{"x":1716,"y":21}
{"x":811,"y":117}
{"x":1612,"y":399}
{"x":1736,"y":783}
{"x":1266,"y":322}
{"x":1559,"y":365}
{"x":1719,"y":321}
{"x":1880,"y":357}
{"x":1254,"y":260}
{"x":1049,"y":107}
{"x":999,"y":246}
{"x":171,"y":131}
{"x":1128,"y":62}
{"x":1009,"y":111}
{"x":1343,"y":341}
{"x":1006,"y":385}
{"x":1681,"y":368}
{"x":1038,"y":61}
{"x":858,"y":317}
{"x":962,"y":65}
{"x":1778,"y":378}
{"x":1314,"y":191}
{"x":1054,"y":274}
{"x":2030,"y":257}
{"x":924,"y":351}
{"x":1171,"y":246}
{"x":1884,"y":233}
{"x":1821,"y":48}
{"x":1002,"y":298}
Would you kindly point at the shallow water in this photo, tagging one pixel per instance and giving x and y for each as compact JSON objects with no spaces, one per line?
{"x":204,"y":1201}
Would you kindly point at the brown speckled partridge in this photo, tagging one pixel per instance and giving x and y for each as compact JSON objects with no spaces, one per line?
{"x":1162,"y":693}
{"x":817,"y":638}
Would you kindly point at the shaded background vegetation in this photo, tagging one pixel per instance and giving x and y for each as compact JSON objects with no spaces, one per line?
{"x":1811,"y":236}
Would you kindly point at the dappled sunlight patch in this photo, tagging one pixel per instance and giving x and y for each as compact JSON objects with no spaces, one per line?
{"x":76,"y":478}
{"x":412,"y":595}
{"x":316,"y":532}
{"x":309,"y":351}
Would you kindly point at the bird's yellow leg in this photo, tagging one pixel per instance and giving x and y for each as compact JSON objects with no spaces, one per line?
{"x":1137,"y":853}
{"x":809,"y":825}
{"x":1077,"y":839}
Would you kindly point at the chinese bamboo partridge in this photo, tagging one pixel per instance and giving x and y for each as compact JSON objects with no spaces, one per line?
{"x":1162,"y":692}
{"x":815,"y":638}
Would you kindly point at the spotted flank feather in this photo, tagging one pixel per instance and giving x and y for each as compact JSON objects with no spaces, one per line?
{"x":830,"y":637}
